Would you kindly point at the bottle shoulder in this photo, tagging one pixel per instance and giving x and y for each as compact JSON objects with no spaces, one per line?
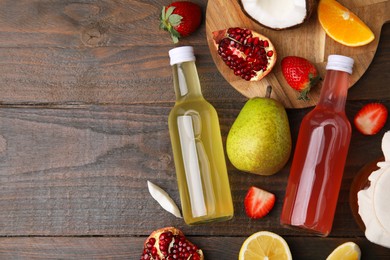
{"x":199,"y":105}
{"x":323,"y":117}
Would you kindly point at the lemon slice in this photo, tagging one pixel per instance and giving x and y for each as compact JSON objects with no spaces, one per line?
{"x":264,"y":245}
{"x":342,"y":25}
{"x":346,"y":251}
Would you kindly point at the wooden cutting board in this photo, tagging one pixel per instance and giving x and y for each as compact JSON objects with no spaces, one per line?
{"x":308,"y":41}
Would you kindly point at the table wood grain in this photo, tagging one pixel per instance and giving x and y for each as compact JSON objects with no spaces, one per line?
{"x":86,"y":89}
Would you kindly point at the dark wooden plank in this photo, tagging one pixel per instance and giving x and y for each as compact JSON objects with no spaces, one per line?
{"x":44,"y":60}
{"x":226,"y":248}
{"x":68,"y":171}
{"x":84,"y":24}
{"x":377,"y":73}
{"x":117,"y":75}
{"x":99,"y":76}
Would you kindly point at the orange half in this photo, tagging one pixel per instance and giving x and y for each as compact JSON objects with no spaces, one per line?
{"x":342,"y":25}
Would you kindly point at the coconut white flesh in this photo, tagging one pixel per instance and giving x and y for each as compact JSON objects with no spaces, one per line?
{"x":382,"y":199}
{"x":374,"y":206}
{"x":277,"y":14}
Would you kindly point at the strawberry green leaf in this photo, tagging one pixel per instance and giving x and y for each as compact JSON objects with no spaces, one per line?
{"x":163,"y":17}
{"x":162,"y":26}
{"x":175,"y":35}
{"x":303,"y":94}
{"x":314,"y":79}
{"x":169,"y":11}
{"x":175,"y":19}
{"x":174,"y":39}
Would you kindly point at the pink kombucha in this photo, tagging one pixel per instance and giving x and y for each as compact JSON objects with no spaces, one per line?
{"x":320,"y":154}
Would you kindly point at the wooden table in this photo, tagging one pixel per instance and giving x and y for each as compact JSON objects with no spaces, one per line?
{"x":86,"y":89}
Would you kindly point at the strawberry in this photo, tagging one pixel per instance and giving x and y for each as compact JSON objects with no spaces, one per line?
{"x":258,"y":202}
{"x":371,"y":118}
{"x":300,"y":74}
{"x":180,"y":19}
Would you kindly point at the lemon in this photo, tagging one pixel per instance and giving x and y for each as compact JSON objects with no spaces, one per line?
{"x":346,"y":251}
{"x":264,"y":245}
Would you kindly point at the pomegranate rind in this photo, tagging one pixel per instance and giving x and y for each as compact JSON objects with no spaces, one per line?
{"x":175,"y":231}
{"x":218,"y":36}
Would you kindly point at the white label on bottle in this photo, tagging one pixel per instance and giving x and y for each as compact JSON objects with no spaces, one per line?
{"x":191,"y":165}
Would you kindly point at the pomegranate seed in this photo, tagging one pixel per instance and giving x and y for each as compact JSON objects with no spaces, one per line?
{"x":270,"y":53}
{"x":261,"y":43}
{"x":266,"y":43}
{"x":145,"y":257}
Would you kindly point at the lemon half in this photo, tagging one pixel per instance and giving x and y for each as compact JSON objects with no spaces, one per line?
{"x":346,"y":251}
{"x":265,"y":245}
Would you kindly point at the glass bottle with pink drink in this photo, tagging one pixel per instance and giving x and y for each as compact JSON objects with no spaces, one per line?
{"x":320,"y":155}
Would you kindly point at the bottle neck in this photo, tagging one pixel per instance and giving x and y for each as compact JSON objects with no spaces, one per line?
{"x":334,"y":91}
{"x":186,"y":81}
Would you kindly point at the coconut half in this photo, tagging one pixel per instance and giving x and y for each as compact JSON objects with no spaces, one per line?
{"x":278,"y":14}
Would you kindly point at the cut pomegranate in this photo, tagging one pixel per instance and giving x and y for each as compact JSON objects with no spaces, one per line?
{"x":249,"y":54}
{"x":170,"y":243}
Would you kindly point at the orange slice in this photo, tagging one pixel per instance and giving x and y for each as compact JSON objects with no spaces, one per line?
{"x":342,"y":25}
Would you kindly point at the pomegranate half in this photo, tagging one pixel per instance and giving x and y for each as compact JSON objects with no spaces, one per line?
{"x":170,"y":243}
{"x":249,"y":54}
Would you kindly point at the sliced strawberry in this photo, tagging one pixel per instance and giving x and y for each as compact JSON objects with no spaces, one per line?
{"x":371,"y":118}
{"x":258,"y":202}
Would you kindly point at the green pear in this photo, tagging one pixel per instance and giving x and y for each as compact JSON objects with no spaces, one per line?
{"x":259,"y":140}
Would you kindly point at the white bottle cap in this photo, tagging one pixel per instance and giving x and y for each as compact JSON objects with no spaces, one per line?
{"x":339,"y":62}
{"x":181,"y":54}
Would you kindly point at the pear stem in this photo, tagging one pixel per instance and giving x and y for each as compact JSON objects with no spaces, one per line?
{"x":268,"y":92}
